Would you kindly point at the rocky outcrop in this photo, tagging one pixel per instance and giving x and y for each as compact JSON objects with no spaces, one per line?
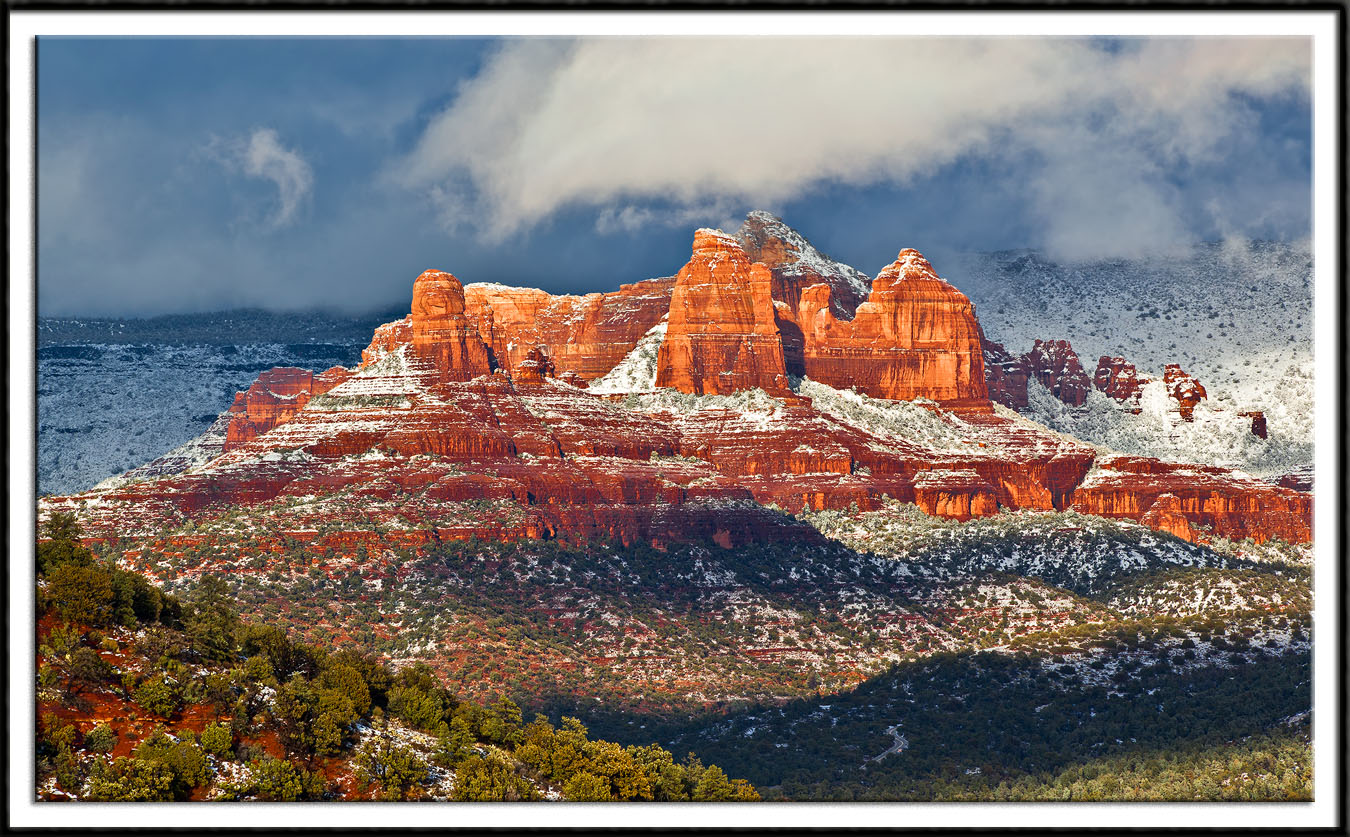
{"x":960,"y":495}
{"x":1212,"y":501}
{"x":586,"y":335}
{"x":1055,"y":364}
{"x":722,"y":335}
{"x":536,"y":366}
{"x":1005,"y":376}
{"x":1183,"y":389}
{"x":1120,"y":380}
{"x":915,"y":337}
{"x":1258,"y":418}
{"x":796,"y":265}
{"x":430,"y":435}
{"x":275,"y":397}
{"x":441,"y":335}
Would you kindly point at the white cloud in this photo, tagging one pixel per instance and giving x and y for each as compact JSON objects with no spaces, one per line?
{"x":263,"y":156}
{"x":619,"y":125}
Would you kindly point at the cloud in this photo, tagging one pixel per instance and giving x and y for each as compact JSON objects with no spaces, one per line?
{"x":660,"y":129}
{"x":263,"y":156}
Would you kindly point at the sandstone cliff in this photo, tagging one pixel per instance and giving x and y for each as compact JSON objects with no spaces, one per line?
{"x":915,"y":337}
{"x":436,"y":424}
{"x":722,"y":335}
{"x":586,"y":335}
{"x":275,"y":397}
{"x":1055,"y":364}
{"x":441,"y":335}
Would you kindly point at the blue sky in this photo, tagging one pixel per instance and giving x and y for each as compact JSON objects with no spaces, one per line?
{"x":180,"y":174}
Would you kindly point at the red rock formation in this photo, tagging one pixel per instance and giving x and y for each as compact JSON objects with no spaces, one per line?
{"x":1005,"y":376}
{"x":275,"y":397}
{"x":587,"y":335}
{"x":534,"y":368}
{"x":426,"y":435}
{"x":722,"y":335}
{"x":1055,"y":364}
{"x":1167,"y":514}
{"x":915,"y":337}
{"x":386,"y":340}
{"x":1120,"y":380}
{"x":1184,"y":389}
{"x":1301,"y":480}
{"x":1227,"y":504}
{"x":441,"y":334}
{"x":956,"y":494}
{"x":574,"y":379}
{"x":1258,"y":418}
{"x":796,"y":265}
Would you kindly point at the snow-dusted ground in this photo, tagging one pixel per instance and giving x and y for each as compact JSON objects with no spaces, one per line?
{"x":103,"y":409}
{"x":1216,"y":436}
{"x":1236,"y":315}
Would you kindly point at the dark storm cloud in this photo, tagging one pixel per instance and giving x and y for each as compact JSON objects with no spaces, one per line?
{"x":200,"y":174}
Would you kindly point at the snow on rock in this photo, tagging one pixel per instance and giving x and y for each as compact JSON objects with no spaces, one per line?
{"x":637,"y":371}
{"x":1214,"y":435}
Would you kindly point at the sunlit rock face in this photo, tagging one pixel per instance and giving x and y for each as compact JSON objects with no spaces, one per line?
{"x":585,"y":335}
{"x":915,"y":337}
{"x":722,"y":336}
{"x":1184,"y":389}
{"x":1226,"y":503}
{"x":1055,"y":364}
{"x":470,"y":418}
{"x":441,"y":335}
{"x":1120,"y":380}
{"x":275,"y":397}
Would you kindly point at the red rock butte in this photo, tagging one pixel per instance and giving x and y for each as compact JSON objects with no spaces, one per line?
{"x":915,"y":337}
{"x":721,"y":336}
{"x":478,"y":397}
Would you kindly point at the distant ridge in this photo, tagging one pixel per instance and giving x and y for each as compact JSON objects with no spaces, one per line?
{"x":245,"y":325}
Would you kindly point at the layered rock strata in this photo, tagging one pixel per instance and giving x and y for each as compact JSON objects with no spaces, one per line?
{"x":586,"y":335}
{"x":440,"y":335}
{"x":915,"y":337}
{"x":275,"y":397}
{"x":1211,"y":501}
{"x":1055,"y":364}
{"x":722,"y":335}
{"x":449,"y":414}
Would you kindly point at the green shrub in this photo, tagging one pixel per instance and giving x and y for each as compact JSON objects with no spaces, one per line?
{"x":587,"y":787}
{"x":158,"y":695}
{"x":100,"y":739}
{"x":217,"y":740}
{"x":88,"y":670}
{"x":490,"y":780}
{"x":275,"y":780}
{"x":130,"y":780}
{"x":397,"y":770}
